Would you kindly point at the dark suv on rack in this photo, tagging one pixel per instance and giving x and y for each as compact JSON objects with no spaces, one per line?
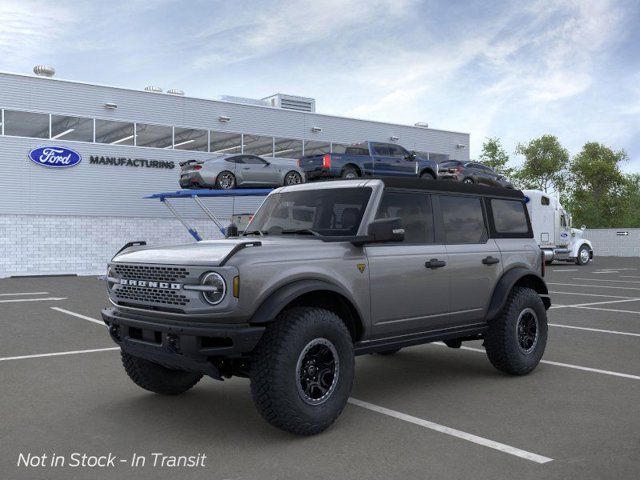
{"x":472,"y":172}
{"x":327,"y":271}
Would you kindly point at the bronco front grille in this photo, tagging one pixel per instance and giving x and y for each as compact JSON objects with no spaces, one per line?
{"x":150,"y":295}
{"x":154,"y":274}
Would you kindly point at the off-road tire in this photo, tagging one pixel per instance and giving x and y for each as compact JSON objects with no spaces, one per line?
{"x":349,"y":173}
{"x":393,"y":351}
{"x":579,"y":260}
{"x":428,"y":176}
{"x":156,"y":378}
{"x":274,"y":379}
{"x":501,"y":339}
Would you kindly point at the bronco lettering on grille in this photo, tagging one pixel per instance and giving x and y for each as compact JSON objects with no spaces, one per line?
{"x":149,"y":284}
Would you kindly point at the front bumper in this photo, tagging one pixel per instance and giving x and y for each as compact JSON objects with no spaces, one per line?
{"x":181,"y":345}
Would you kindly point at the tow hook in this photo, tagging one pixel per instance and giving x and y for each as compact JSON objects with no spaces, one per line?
{"x":114,"y":331}
{"x":172,"y":343}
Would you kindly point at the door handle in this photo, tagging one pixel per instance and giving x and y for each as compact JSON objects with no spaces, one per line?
{"x":435,"y":263}
{"x":490,"y":260}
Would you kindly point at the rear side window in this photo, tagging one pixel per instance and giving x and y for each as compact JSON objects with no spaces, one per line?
{"x":463,"y":220}
{"x":357,"y":151}
{"x":414,"y":210}
{"x":509,"y":216}
{"x":381,"y":149}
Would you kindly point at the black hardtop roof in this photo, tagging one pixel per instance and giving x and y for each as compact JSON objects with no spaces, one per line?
{"x":450,"y":186}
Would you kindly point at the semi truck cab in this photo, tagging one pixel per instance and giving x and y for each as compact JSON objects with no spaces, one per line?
{"x":553,"y":231}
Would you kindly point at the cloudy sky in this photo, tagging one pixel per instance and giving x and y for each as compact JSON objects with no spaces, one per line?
{"x":514,"y":70}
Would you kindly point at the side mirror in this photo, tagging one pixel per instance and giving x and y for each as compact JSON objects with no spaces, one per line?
{"x":385,"y":230}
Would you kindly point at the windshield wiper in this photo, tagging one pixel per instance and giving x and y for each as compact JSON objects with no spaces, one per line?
{"x":301,"y":231}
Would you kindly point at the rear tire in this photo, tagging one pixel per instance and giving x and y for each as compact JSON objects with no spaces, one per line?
{"x":302,"y":370}
{"x":468,"y":180}
{"x":225,"y":180}
{"x":349,"y":173}
{"x":156,"y":378}
{"x":516,"y":340}
{"x":292,"y":178}
{"x":428,"y":176}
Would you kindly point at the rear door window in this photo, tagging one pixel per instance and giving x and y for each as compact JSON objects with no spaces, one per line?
{"x":463,"y":219}
{"x":415,"y":213}
{"x":509,"y":216}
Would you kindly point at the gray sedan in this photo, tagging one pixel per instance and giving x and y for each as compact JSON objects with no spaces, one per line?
{"x":240,"y":170}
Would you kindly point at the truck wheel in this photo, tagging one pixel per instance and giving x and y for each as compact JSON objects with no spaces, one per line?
{"x":515,"y":341}
{"x":428,"y":176}
{"x":156,"y":378}
{"x":583,"y":255}
{"x":349,"y":173}
{"x":225,"y":180}
{"x":302,"y":370}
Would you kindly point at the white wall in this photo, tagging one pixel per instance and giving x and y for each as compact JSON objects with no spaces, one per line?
{"x":607,"y":243}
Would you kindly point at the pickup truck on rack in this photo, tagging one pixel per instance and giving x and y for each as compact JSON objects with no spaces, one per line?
{"x":324,"y":272}
{"x":369,"y":159}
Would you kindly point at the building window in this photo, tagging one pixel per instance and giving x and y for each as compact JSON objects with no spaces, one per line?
{"x":71,"y":128}
{"x":26,"y":124}
{"x":287,"y":148}
{"x":312,"y":147}
{"x":224,"y":142}
{"x":114,"y":133}
{"x":257,"y":145}
{"x":157,"y":136}
{"x":191,"y":139}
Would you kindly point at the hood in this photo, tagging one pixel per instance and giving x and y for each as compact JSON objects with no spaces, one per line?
{"x":208,"y":252}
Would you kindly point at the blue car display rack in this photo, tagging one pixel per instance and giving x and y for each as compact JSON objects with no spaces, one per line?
{"x":197,"y":195}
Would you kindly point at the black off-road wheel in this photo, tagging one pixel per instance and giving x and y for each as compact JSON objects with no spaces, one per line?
{"x":349,"y":173}
{"x":302,"y":370}
{"x":516,"y":340}
{"x":156,"y":378}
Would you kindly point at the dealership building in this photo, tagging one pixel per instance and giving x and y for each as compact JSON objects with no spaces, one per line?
{"x":129,"y":144}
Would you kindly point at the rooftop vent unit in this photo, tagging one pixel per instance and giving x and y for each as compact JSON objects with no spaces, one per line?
{"x":175,"y":91}
{"x":292,"y":102}
{"x":44,"y":71}
{"x":244,"y":100}
{"x":422,"y":124}
{"x":152,"y":88}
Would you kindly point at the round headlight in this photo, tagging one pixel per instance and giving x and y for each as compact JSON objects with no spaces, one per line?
{"x":217,"y":288}
{"x":111,"y":273}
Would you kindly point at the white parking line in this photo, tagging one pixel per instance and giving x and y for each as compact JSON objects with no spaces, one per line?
{"x":606,"y":272}
{"x":566,"y":365}
{"x":22,"y":293}
{"x":15,"y":300}
{"x":57,"y":354}
{"x":595,"y":303}
{"x":610,"y":310}
{"x":563,"y":270}
{"x":485,"y":442}
{"x":615,"y":332}
{"x":605,"y":280}
{"x":84,"y":317}
{"x":593,"y":286}
{"x":629,"y":276}
{"x":589,"y":294}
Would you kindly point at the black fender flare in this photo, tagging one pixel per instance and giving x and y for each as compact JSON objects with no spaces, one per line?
{"x":281,"y":297}
{"x":506,"y":284}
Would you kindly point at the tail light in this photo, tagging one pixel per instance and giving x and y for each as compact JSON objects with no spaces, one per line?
{"x":197,"y":167}
{"x":326,"y":161}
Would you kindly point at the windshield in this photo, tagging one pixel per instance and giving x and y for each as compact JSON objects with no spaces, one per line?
{"x":323,"y":212}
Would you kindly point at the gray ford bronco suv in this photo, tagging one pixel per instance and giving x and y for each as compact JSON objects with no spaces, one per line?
{"x":325,"y":272}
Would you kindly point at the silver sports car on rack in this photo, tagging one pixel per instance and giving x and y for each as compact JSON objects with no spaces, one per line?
{"x":240,"y":170}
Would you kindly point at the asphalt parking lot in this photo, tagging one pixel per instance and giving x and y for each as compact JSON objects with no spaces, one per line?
{"x":427,"y":412}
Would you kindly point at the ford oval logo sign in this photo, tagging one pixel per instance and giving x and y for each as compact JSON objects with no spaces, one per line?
{"x":55,"y":157}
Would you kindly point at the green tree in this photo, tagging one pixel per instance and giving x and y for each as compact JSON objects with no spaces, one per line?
{"x":631,"y":216}
{"x":495,"y":156}
{"x":545,"y":164}
{"x":599,"y":193}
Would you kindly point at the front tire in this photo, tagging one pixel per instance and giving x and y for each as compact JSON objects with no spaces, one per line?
{"x":468,"y":180}
{"x":516,"y":340}
{"x":302,"y":370}
{"x":584,"y":255}
{"x":156,"y":378}
{"x":292,"y":178}
{"x":225,"y":180}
